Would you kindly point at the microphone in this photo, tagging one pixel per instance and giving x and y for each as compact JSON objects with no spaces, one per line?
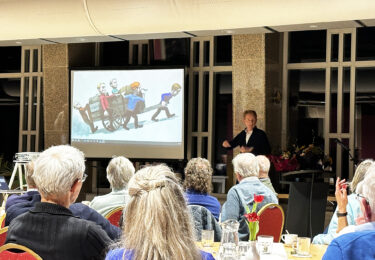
{"x":338,"y":141}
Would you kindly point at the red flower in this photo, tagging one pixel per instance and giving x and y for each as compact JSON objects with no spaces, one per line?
{"x":252,"y":217}
{"x":258,"y":198}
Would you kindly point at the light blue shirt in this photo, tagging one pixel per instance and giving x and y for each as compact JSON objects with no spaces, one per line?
{"x":105,"y":203}
{"x":354,"y":211}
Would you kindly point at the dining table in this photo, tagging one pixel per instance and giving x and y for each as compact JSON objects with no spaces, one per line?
{"x":279,"y":252}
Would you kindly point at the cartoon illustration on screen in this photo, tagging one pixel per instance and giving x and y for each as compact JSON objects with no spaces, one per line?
{"x":165,"y":97}
{"x":135,"y":104}
{"x":85,"y":114}
{"x":113,"y":84}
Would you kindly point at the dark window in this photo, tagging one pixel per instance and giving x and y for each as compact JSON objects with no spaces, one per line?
{"x":223,"y":50}
{"x":10,"y":59}
{"x":307,"y":46}
{"x":115,"y":53}
{"x":366,"y":43}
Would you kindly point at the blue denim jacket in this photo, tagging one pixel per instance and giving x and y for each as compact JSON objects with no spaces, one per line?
{"x":243,"y":194}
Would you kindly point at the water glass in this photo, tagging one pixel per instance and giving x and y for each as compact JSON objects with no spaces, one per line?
{"x":243,"y":247}
{"x":229,"y":252}
{"x":265,"y":244}
{"x":207,"y":238}
{"x":303,"y":245}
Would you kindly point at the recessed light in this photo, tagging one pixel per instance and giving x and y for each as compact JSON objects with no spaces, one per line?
{"x":313,"y":26}
{"x":18,"y":42}
{"x":82,"y":39}
{"x":229,"y":31}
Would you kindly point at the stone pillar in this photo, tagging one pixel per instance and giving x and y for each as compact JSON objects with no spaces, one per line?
{"x":55,"y":94}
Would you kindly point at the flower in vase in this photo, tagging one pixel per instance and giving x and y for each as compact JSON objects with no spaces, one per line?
{"x":252,"y":218}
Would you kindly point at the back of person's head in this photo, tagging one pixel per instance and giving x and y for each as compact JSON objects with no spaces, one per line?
{"x":57,"y":169}
{"x":360,"y":173}
{"x":29,"y":175}
{"x":367,"y":187}
{"x":119,"y":172}
{"x":246,"y":165}
{"x":264,"y":164}
{"x":156,"y":221}
{"x":198,"y":174}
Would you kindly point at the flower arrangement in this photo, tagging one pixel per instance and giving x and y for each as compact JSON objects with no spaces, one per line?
{"x":301,"y":157}
{"x":252,"y":218}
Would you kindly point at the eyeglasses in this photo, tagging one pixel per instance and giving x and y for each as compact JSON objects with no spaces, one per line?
{"x":83,"y":177}
{"x":360,"y":196}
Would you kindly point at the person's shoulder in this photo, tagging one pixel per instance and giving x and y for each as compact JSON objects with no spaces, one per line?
{"x":355,"y":237}
{"x":206,"y":255}
{"x":114,"y":254}
{"x":258,"y":131}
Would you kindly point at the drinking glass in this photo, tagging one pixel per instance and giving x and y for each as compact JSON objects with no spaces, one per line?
{"x":303,"y":245}
{"x":229,"y":252}
{"x":207,"y":238}
{"x":265,"y":244}
{"x":243,"y":247}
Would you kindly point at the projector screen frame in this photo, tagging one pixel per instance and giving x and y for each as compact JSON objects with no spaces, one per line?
{"x":125,"y":68}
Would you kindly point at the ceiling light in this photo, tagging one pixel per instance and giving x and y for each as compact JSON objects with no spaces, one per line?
{"x":82,"y":39}
{"x":18,"y":42}
{"x":229,"y":31}
{"x":313,"y":26}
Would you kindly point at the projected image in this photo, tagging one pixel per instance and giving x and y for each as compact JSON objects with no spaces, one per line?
{"x":132,"y":106}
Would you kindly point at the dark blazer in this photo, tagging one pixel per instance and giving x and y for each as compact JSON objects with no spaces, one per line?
{"x":258,"y":140}
{"x":78,"y":209}
{"x":52,"y":232}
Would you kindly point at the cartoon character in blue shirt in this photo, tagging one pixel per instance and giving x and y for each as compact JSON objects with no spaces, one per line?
{"x":134,"y":106}
{"x":165,"y":97}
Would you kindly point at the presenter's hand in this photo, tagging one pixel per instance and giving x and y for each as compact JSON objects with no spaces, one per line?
{"x":245,"y":149}
{"x":341,"y":195}
{"x":226,"y":144}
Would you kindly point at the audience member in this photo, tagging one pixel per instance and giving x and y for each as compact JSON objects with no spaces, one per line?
{"x":352,"y":208}
{"x":156,"y":220}
{"x":19,"y":204}
{"x":50,"y":228}
{"x":197,"y":185}
{"x":264,"y":168}
{"x":358,"y":244}
{"x":32,"y":193}
{"x":246,"y":169}
{"x":119,"y":172}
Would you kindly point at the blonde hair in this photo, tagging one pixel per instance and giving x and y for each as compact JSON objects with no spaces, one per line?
{"x":198,"y":174}
{"x":157,"y":223}
{"x":119,"y":172}
{"x":360,"y":173}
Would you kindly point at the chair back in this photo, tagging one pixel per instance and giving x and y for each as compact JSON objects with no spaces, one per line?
{"x":114,"y":216}
{"x":204,"y":220}
{"x":20,"y":252}
{"x":2,"y":220}
{"x":271,"y":221}
{"x":3,"y":235}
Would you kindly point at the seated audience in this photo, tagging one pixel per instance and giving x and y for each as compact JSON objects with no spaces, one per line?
{"x":358,"y":244}
{"x":50,"y":229}
{"x":197,"y":185}
{"x":119,"y":172}
{"x":156,"y":220}
{"x":264,"y":168}
{"x":246,"y":169}
{"x":352,"y":207}
{"x":32,"y":193}
{"x":19,"y":204}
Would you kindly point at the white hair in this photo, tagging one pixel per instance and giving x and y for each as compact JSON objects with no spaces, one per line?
{"x":360,"y":173}
{"x":119,"y":172}
{"x":246,"y":165}
{"x":57,"y":168}
{"x":368,"y":187}
{"x":264,"y":163}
